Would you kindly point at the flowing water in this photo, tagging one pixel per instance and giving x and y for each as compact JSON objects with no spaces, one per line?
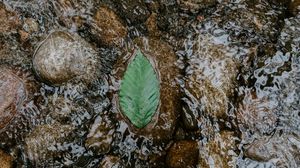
{"x":233,"y":99}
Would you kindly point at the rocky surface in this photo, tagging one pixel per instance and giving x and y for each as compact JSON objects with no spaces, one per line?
{"x":6,"y":161}
{"x":108,"y":27}
{"x":237,"y":62}
{"x":9,"y":20}
{"x":183,"y":154}
{"x":63,"y":56}
{"x":279,"y":148}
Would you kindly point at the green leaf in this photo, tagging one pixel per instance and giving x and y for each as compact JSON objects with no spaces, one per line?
{"x":139,"y":91}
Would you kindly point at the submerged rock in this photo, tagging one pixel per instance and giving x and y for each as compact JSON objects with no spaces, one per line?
{"x":282,"y":150}
{"x":108,"y":27}
{"x":294,"y":7}
{"x":63,"y":56}
{"x":46,"y":142}
{"x":210,"y":80}
{"x":250,"y":21}
{"x":133,"y":12}
{"x":163,"y":59}
{"x":100,"y":136}
{"x":183,"y":154}
{"x":111,"y":162}
{"x":6,"y":161}
{"x":195,"y":5}
{"x":18,"y":112}
{"x":219,"y":152}
{"x":12,"y":95}
{"x":9,"y":20}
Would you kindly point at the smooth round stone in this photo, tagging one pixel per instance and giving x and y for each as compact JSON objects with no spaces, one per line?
{"x":63,"y":56}
{"x":12,"y":95}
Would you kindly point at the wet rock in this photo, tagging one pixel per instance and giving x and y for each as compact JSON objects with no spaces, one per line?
{"x":9,"y":20}
{"x":210,"y":80}
{"x":183,"y":154}
{"x":63,"y":56}
{"x":133,"y":12}
{"x":288,"y":39}
{"x":250,"y":21}
{"x":46,"y":142}
{"x":17,"y":104}
{"x":6,"y":161}
{"x":195,"y":5}
{"x":294,"y":7}
{"x":257,"y":114}
{"x":151,"y":25}
{"x":162,"y":125}
{"x":12,"y":95}
{"x":219,"y":151}
{"x":281,"y":150}
{"x":110,"y":161}
{"x":100,"y":136}
{"x":30,"y":25}
{"x":170,"y":20}
{"x":108,"y":27}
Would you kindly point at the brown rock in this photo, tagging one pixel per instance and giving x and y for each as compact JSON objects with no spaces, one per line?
{"x":294,"y":7}
{"x":133,"y":12}
{"x":210,"y":81}
{"x":163,"y":122}
{"x":283,"y":149}
{"x":12,"y":95}
{"x":9,"y":20}
{"x":100,"y":135}
{"x":195,"y":5}
{"x":183,"y":154}
{"x":108,"y":26}
{"x":219,"y":151}
{"x":254,"y":20}
{"x":30,"y":25}
{"x":64,"y":56}
{"x":151,"y":24}
{"x":41,"y":143}
{"x":6,"y":161}
{"x":111,"y":162}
